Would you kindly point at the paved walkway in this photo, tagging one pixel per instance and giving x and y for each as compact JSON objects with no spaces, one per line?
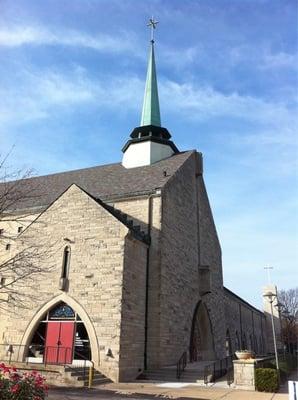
{"x":134,"y":391}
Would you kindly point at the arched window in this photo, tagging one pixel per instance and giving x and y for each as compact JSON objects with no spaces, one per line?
{"x":251,"y":342}
{"x":261,"y":344}
{"x":65,"y":269}
{"x":61,"y":311}
{"x":256,"y":349}
{"x":244,"y":343}
{"x":237,"y":341}
{"x":228,"y":344}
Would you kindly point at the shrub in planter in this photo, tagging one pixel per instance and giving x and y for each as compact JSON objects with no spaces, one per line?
{"x":266,"y":380}
{"x":244,"y":354}
{"x":15,"y":385}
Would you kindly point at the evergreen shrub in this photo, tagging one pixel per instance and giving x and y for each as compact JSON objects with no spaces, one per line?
{"x":266,"y":380}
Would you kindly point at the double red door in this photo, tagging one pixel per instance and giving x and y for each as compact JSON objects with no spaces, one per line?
{"x":59,"y":342}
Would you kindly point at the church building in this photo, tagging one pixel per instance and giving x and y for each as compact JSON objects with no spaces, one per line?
{"x":127,"y":261}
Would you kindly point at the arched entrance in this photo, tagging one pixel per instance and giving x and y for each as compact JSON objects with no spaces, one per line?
{"x":60,"y":337}
{"x":201,"y":340}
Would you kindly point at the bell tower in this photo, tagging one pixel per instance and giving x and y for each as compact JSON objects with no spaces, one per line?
{"x":149,"y":142}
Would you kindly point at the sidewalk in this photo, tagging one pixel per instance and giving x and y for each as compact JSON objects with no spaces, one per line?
{"x":151,"y":390}
{"x":191,"y":391}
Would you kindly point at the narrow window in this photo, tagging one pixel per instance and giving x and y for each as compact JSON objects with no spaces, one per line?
{"x":65,"y":264}
{"x":63,"y":281}
{"x":2,"y":281}
{"x":7,"y":247}
{"x":244,"y":343}
{"x":228,"y":344}
{"x":1,"y":231}
{"x":237,"y":341}
{"x":20,"y":228}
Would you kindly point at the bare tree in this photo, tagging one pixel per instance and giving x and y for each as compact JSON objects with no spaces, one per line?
{"x":288,"y":301}
{"x":21,"y":257}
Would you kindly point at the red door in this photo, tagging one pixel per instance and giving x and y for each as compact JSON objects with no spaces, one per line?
{"x":59,"y":342}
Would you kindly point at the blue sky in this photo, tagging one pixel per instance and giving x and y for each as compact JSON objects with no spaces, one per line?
{"x":72,"y":77}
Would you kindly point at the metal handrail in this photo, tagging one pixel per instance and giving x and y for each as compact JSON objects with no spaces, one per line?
{"x":219,"y":368}
{"x":181,"y":364}
{"x":21,"y":353}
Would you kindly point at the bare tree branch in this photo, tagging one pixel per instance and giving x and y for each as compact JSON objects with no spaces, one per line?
{"x":288,"y":300}
{"x":22,"y":256}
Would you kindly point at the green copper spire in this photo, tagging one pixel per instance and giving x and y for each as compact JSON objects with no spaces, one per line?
{"x":151,"y":113}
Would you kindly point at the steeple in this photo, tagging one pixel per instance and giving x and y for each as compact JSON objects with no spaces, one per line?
{"x":151,"y":113}
{"x":149,"y":142}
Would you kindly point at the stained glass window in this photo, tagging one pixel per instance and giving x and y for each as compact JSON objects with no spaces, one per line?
{"x":62,"y":311}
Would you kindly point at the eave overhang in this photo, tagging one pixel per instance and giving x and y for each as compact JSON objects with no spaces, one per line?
{"x":152,"y":139}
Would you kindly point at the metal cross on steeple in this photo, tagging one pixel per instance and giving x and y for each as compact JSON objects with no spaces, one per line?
{"x":268,"y":274}
{"x":152,"y":24}
{"x":150,"y":112}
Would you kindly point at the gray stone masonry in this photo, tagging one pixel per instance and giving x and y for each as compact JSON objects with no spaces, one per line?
{"x":245,"y":325}
{"x":108,"y":267}
{"x":244,"y":372}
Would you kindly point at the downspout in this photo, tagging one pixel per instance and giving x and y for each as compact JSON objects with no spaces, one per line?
{"x":253,"y":331}
{"x":147,"y":280}
{"x":262,"y":336}
{"x":198,"y":218}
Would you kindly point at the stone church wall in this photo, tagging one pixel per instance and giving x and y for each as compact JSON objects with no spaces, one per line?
{"x":98,"y":249}
{"x":179,"y":263}
{"x":107,"y":277}
{"x":245,"y":325}
{"x":138,"y":209}
{"x":210,"y":256}
{"x":189,"y":239}
{"x":131,"y":360}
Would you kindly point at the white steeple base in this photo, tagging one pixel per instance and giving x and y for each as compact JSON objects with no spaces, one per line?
{"x":145,"y":153}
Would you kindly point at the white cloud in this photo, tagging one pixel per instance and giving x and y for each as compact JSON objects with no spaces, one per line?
{"x":279,"y":60}
{"x":260,"y":56}
{"x":36,"y":35}
{"x":180,"y":58}
{"x":40,"y":95}
{"x":202,"y":103}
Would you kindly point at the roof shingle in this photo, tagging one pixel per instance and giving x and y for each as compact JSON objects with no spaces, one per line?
{"x":105,"y":182}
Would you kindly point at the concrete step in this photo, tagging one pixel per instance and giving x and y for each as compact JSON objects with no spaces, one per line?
{"x":101,"y":381}
{"x":82,"y":377}
{"x":96,"y":376}
{"x":170,"y":375}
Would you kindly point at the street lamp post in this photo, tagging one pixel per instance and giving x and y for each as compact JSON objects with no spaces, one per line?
{"x":271,"y":296}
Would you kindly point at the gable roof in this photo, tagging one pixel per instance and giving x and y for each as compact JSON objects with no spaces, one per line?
{"x":122,"y":217}
{"x":232,"y":294}
{"x":105,"y":182}
{"x":135,"y":229}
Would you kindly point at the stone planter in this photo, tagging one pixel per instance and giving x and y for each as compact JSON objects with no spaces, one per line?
{"x":244,"y":355}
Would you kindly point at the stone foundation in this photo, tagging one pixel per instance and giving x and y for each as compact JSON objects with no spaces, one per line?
{"x":55,"y":374}
{"x":244,"y":372}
